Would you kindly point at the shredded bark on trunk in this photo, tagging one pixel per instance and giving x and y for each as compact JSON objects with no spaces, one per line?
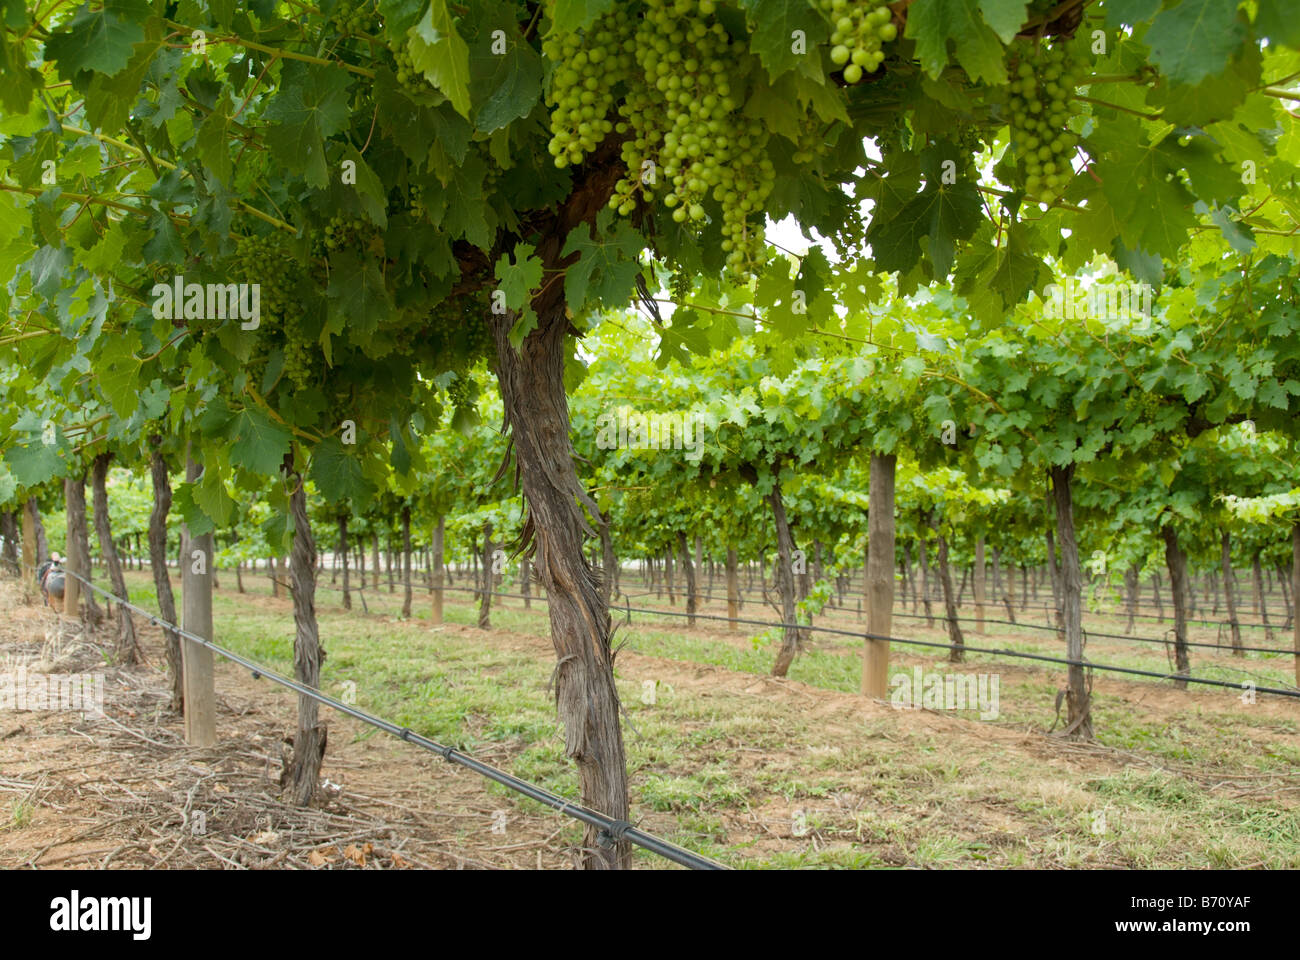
{"x":128,"y":651}
{"x":302,"y":774}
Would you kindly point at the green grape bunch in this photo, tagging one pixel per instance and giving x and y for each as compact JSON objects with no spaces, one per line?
{"x":860,"y":30}
{"x":460,"y":326}
{"x":345,"y":233}
{"x":412,"y":80}
{"x":590,"y":66}
{"x":354,"y":17}
{"x":684,"y":127}
{"x":266,"y":260}
{"x":1041,"y":106}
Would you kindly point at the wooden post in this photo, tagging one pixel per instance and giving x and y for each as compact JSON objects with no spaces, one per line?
{"x":880,"y":574}
{"x":196,"y":618}
{"x":979,"y":584}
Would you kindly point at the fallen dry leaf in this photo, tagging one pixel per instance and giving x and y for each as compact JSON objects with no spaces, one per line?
{"x":358,"y":854}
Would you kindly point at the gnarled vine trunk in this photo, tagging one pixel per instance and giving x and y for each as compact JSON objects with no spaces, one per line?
{"x":1230,"y":593}
{"x":128,"y":652}
{"x":1079,"y":718}
{"x":485,"y":597}
{"x":436,"y":562}
{"x":923,"y":563}
{"x":689,"y":568}
{"x":879,"y":574}
{"x":406,"y":560}
{"x":162,"y":504}
{"x":1131,"y":583}
{"x":1176,"y":561}
{"x":343,"y":553}
{"x":783,"y":575}
{"x":74,"y":495}
{"x":958,"y":653}
{"x":303,"y":771}
{"x":537,"y":416}
{"x":733,"y":590}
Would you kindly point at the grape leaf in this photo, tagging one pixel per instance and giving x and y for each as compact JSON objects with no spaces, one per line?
{"x":337,"y":472}
{"x":1131,"y":12}
{"x":400,"y":15}
{"x":932,"y":23}
{"x":1238,"y":234}
{"x":196,"y":521}
{"x":945,"y":215}
{"x":506,"y":86}
{"x":358,"y":297}
{"x":370,"y":189}
{"x":774,"y":23}
{"x":520,"y":278}
{"x":607,"y":263}
{"x":259,"y":444}
{"x":570,"y":15}
{"x":1152,"y":207}
{"x":1277,"y":20}
{"x":312,"y":104}
{"x":99,"y":40}
{"x":1195,"y":39}
{"x":119,"y":373}
{"x":211,"y":497}
{"x":1006,"y":17}
{"x":438,"y":52}
{"x":33,"y":464}
{"x":213,"y":139}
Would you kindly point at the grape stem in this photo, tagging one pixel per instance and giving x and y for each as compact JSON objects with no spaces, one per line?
{"x":1115,"y":106}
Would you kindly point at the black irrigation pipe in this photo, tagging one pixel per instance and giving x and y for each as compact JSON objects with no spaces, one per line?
{"x":629,"y":610}
{"x":1040,"y":605}
{"x":611,"y":830}
{"x":1283,"y":651}
{"x":1108,"y":636}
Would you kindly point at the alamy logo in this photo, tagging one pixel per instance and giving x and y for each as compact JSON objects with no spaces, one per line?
{"x":947,"y":691}
{"x":625,"y":429}
{"x":77,"y":692}
{"x":179,"y":300}
{"x":1097,"y":301}
{"x":76,"y":913}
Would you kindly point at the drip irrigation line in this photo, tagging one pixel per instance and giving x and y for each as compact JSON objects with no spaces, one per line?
{"x":611,"y":829}
{"x":627,"y":609}
{"x":1094,"y":633}
{"x":1282,"y":651}
{"x":948,"y":646}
